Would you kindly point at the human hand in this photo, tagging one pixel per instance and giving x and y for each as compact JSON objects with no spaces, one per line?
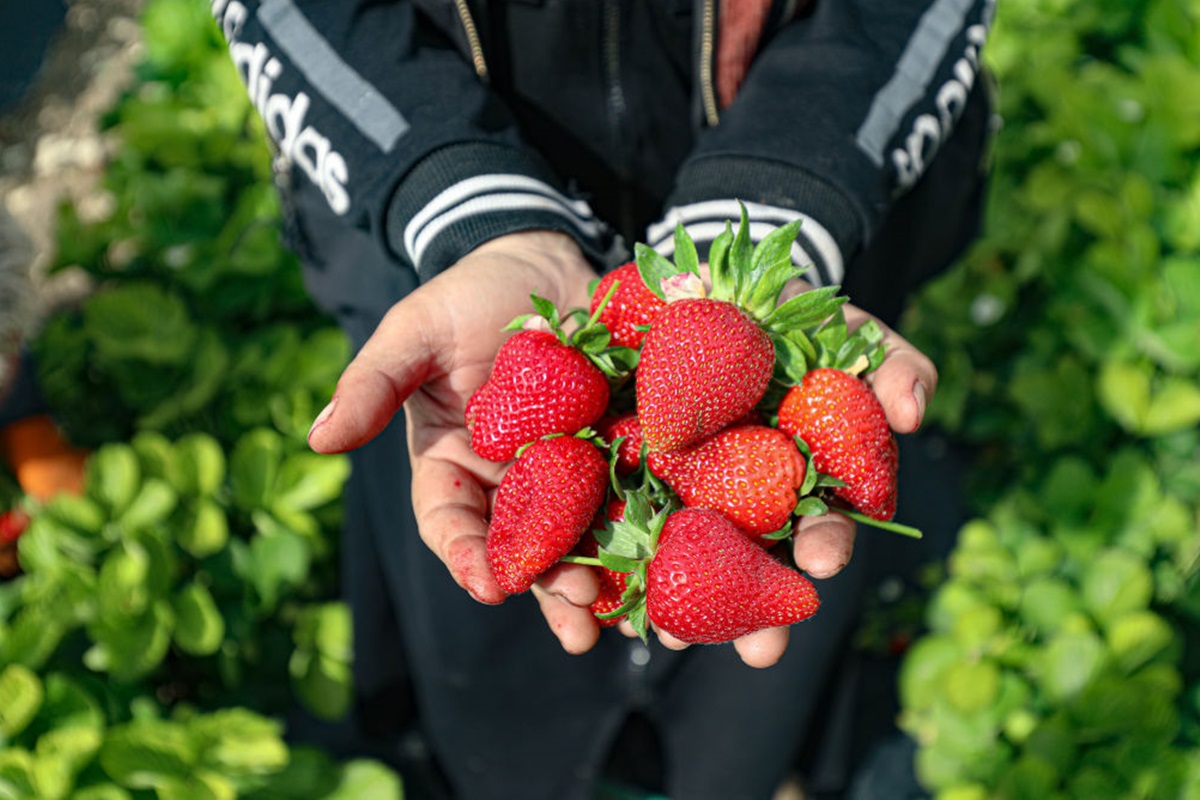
{"x":429,"y":354}
{"x":823,"y":545}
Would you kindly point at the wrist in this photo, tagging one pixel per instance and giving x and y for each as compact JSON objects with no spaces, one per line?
{"x":553,"y":261}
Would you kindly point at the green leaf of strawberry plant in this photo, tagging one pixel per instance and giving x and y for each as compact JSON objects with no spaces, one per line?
{"x":634,"y":607}
{"x":654,"y":268}
{"x":718,"y":257}
{"x":519,"y":322}
{"x":811,"y":476}
{"x":617,"y":563}
{"x":546,"y":309}
{"x":770,"y":269}
{"x":852,"y":357}
{"x":686,"y":259}
{"x":624,"y":359}
{"x":592,"y":339}
{"x":199,"y":626}
{"x":634,"y":595}
{"x":638,"y":510}
{"x":624,"y":540}
{"x":740,"y":253}
{"x":779,"y":535}
{"x":806,"y":309}
{"x":810,"y":507}
{"x":21,"y":695}
{"x":793,"y":355}
{"x":775,"y":247}
{"x":832,"y":334}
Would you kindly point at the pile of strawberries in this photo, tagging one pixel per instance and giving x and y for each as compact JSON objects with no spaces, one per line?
{"x":672,"y":440}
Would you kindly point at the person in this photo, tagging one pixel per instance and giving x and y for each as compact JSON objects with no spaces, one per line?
{"x":439,"y":162}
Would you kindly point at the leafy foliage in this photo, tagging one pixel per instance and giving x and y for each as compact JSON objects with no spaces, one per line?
{"x":167,"y":618}
{"x":1060,"y":658}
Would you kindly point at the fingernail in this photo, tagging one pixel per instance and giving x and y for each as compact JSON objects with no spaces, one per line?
{"x":323,"y":417}
{"x":919,"y":397}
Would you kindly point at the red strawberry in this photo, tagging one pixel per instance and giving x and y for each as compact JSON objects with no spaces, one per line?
{"x":705,"y":364}
{"x":612,"y":583}
{"x":631,"y":305}
{"x":12,"y":524}
{"x":750,"y":473}
{"x":538,"y":386}
{"x":629,"y":452}
{"x":840,"y":419}
{"x":544,"y":504}
{"x":711,"y":583}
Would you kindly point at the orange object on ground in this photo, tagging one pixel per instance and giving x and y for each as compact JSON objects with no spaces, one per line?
{"x":43,"y":462}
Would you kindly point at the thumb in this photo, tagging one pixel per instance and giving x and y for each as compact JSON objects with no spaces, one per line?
{"x":393,"y":363}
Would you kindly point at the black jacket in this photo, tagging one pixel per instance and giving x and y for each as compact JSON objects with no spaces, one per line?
{"x":437,"y":125}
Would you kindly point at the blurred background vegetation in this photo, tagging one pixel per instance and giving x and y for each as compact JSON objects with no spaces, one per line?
{"x":174,"y":618}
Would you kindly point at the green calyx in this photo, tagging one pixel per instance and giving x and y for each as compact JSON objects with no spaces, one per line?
{"x":808,"y":330}
{"x":591,"y":337}
{"x":628,"y":546}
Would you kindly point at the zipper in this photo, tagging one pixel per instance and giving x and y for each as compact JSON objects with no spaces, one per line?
{"x":708,"y":38}
{"x":468,"y":23}
{"x":618,"y":112}
{"x":614,"y":92}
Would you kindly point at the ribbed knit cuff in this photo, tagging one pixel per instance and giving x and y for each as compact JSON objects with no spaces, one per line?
{"x":707,"y":194}
{"x":464,"y":195}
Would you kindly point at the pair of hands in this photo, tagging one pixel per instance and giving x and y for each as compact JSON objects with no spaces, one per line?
{"x":436,"y":346}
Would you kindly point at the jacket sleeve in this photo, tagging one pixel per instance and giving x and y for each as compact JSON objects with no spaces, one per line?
{"x":375,"y":106}
{"x":839,"y":115}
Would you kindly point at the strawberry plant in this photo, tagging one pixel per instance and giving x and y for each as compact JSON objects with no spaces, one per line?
{"x":161,"y":622}
{"x":1060,"y":658}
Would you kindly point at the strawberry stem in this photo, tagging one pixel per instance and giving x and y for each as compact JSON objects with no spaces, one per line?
{"x":588,"y":560}
{"x":887,"y":525}
{"x":595,"y":317}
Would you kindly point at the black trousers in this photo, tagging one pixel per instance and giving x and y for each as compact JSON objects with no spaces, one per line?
{"x":507,"y":714}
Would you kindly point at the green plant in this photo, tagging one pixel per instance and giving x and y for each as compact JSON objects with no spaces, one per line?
{"x":1060,"y":658}
{"x":70,"y":736}
{"x":167,"y":618}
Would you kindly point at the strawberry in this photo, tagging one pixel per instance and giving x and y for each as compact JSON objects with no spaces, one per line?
{"x":750,"y":473}
{"x":545,"y":502}
{"x":630,"y":307}
{"x":629,"y":430}
{"x":12,"y":524}
{"x":707,"y":361}
{"x":708,"y":582}
{"x":539,"y":385}
{"x":837,"y":415}
{"x":704,"y":364}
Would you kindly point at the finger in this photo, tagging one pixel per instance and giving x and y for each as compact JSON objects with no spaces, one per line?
{"x":574,"y":583}
{"x":762,"y":648}
{"x":390,"y":366}
{"x":449,"y":505}
{"x":626,"y":629}
{"x":670,"y":642}
{"x":823,"y":545}
{"x":904,"y":382}
{"x":575,"y":628}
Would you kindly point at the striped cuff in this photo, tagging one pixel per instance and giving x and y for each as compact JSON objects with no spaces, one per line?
{"x":815,"y":248}
{"x":461,"y":197}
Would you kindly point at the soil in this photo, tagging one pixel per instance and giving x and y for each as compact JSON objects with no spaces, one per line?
{"x":51,"y":150}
